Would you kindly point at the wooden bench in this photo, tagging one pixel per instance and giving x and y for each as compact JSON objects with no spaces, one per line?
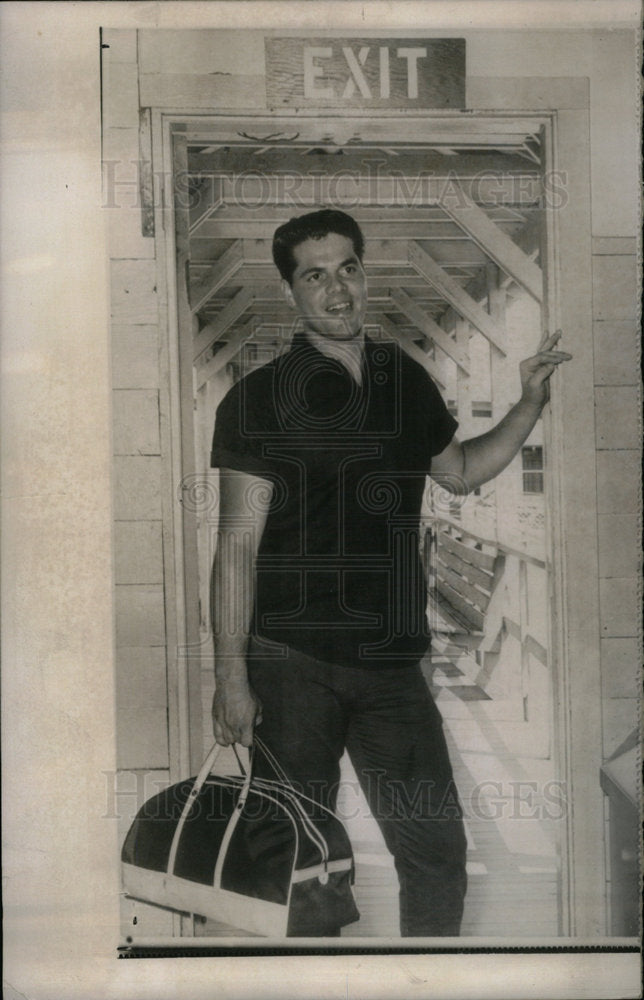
{"x":462,"y":577}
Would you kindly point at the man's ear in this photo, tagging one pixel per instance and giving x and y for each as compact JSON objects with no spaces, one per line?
{"x":287,"y":292}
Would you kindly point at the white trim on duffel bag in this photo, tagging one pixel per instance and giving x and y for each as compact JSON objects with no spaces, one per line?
{"x":319,"y":871}
{"x":259,"y":916}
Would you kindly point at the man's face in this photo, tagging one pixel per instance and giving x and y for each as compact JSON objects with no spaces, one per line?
{"x":329,"y":287}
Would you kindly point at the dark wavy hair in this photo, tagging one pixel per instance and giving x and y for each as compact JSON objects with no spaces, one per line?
{"x":312,"y":226}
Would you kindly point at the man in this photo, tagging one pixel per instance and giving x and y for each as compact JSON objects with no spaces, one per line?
{"x":324,"y":454}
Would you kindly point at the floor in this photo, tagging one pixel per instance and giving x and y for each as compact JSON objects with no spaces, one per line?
{"x":514,"y":809}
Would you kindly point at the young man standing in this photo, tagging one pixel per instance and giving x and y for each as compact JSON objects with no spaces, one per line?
{"x":320,"y":600}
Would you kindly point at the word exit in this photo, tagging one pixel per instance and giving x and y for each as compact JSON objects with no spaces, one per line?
{"x":314,"y":71}
{"x":365,"y":72}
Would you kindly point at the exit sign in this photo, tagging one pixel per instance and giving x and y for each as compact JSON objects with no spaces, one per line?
{"x":365,"y":72}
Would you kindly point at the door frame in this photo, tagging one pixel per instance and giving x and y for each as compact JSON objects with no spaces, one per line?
{"x":571,"y":521}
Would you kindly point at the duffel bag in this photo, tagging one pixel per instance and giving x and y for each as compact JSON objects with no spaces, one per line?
{"x":252,"y":853}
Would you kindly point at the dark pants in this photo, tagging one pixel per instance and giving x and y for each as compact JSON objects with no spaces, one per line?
{"x":393,"y":732}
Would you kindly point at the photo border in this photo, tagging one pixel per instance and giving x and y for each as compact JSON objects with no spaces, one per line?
{"x":58,"y":733}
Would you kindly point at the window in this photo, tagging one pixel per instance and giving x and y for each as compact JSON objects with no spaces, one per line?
{"x":481,"y":408}
{"x":532,"y":462}
{"x":452,"y":407}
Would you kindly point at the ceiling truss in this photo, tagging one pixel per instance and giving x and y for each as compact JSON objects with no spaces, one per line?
{"x":438,"y":218}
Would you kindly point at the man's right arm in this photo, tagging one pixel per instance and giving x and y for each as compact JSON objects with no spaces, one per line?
{"x":243,"y":506}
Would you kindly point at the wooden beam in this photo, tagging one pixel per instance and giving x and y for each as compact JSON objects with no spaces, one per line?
{"x":370,"y":128}
{"x":456,"y":295}
{"x":218,"y":326}
{"x":424,"y":211}
{"x":537,"y":650}
{"x":377,"y":251}
{"x":463,"y":383}
{"x":376,"y":223}
{"x":481,"y":165}
{"x":183,"y":671}
{"x":146,"y":176}
{"x":496,"y":298}
{"x":386,"y":187}
{"x":527,"y":239}
{"x":415,"y":352}
{"x":472,"y":615}
{"x":487,"y":235}
{"x":265,"y":274}
{"x":224,"y":228}
{"x":219,"y":360}
{"x":270,"y":295}
{"x":218,"y":274}
{"x":233,"y":346}
{"x":205,"y":198}
{"x":270,"y":313}
{"x":260,"y":211}
{"x":449,"y":253}
{"x":429,"y":327}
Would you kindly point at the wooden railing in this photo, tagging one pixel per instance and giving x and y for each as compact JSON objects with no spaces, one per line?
{"x":463,"y":571}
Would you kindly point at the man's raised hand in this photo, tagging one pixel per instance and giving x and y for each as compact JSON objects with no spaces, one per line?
{"x":536,"y":371}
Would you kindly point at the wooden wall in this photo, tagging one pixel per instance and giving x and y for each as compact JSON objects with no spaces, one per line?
{"x":617,"y":378}
{"x":618,"y":430}
{"x":139,"y":456}
{"x":136,"y":73}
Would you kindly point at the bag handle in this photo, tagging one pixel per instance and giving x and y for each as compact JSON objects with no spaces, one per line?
{"x":314,"y":834}
{"x":197,"y":785}
{"x":273,"y":761}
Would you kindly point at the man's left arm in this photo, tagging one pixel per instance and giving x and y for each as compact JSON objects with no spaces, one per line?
{"x":477,"y":460}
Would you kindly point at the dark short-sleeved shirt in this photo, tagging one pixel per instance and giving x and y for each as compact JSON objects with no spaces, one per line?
{"x":339,"y":575}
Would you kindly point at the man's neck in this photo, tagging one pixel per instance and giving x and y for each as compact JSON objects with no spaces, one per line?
{"x":348,"y":352}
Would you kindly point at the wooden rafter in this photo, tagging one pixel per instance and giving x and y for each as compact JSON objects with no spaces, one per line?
{"x":412,"y":187}
{"x":228,"y":160}
{"x":218,"y":326}
{"x":311,"y":127}
{"x":226,"y":354}
{"x":413,"y":350}
{"x":429,"y":327}
{"x":416,"y":228}
{"x":497,"y":244}
{"x":456,"y":296}
{"x":218,"y":274}
{"x":462,"y":253}
{"x":411,"y":210}
{"x":265,"y":274}
{"x":379,"y":226}
{"x":378,"y":286}
{"x":207,"y":198}
{"x":378,"y":252}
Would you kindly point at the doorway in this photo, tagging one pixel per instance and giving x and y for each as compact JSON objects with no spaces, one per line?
{"x":454,"y":213}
